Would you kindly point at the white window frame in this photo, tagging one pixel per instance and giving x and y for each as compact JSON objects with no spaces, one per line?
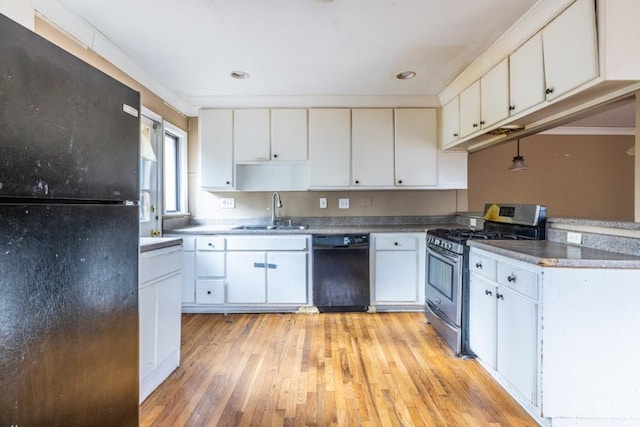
{"x":183,"y":191}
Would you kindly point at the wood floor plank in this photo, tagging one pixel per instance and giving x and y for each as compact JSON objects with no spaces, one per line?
{"x":330,"y":369}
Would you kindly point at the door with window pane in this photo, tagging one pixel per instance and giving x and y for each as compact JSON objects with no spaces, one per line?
{"x":150,"y":210}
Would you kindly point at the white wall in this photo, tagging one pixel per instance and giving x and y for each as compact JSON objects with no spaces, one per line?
{"x":20,"y":11}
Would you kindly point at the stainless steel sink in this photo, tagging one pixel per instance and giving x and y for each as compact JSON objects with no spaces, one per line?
{"x":270,"y":227}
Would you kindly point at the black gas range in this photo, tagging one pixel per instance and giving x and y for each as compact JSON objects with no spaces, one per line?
{"x":447,"y":278}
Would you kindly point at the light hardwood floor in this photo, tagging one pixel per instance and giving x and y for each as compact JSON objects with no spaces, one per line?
{"x":346,"y":369}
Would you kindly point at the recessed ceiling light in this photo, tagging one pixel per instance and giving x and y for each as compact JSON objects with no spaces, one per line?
{"x":406,"y":75}
{"x":240,"y":75}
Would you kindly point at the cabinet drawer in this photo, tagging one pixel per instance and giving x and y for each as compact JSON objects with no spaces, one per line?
{"x":400,"y":243}
{"x":253,"y":243}
{"x":210,"y":291}
{"x":519,"y":280}
{"x":210,"y":264}
{"x":483,"y":266}
{"x":153,"y":266}
{"x":210,"y":243}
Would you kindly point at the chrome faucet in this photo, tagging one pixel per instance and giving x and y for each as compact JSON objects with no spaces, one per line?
{"x":275,"y":196}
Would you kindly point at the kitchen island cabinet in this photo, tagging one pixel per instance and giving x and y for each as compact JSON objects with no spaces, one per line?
{"x":159,"y":299}
{"x":555,"y":333}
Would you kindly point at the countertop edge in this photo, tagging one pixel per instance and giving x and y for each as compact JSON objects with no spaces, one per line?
{"x":611,"y":262}
{"x":148,"y":244}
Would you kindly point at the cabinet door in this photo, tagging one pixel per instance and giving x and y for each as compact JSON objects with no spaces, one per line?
{"x":482,"y":329}
{"x":452,"y":169}
{"x":494,"y":95}
{"x":147,"y":320}
{"x":216,"y":149}
{"x":188,"y":277}
{"x":372,"y":147}
{"x":289,"y":134}
{"x":210,"y":264}
{"x":329,"y":147}
{"x":470,"y":109}
{"x":210,"y":291}
{"x":396,"y":276}
{"x":251,"y":135}
{"x":168,"y":312}
{"x":517,"y":341}
{"x":287,"y":277}
{"x":569,"y":44}
{"x":450,"y":123}
{"x":526,"y":76}
{"x":416,"y":147}
{"x":246,"y":278}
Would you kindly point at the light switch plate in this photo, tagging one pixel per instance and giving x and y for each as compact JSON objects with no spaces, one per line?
{"x":575,"y":238}
{"x":343,"y":203}
{"x":228,"y":203}
{"x":323,"y":203}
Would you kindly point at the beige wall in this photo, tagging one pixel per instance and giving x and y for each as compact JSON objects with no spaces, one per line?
{"x":147,"y":98}
{"x":574,"y":176}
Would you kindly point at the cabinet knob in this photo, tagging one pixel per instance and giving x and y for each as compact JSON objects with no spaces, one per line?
{"x":549,"y":91}
{"x":210,"y":244}
{"x":481,"y":122}
{"x":475,"y":125}
{"x":488,"y":292}
{"x":512,"y":107}
{"x":208,"y":292}
{"x":511,"y":278}
{"x":499,"y":296}
{"x":455,"y":135}
{"x":275,"y":156}
{"x":228,"y":182}
{"x":479,"y":265}
{"x":399,"y":181}
{"x":357,"y":182}
{"x":395,"y":243}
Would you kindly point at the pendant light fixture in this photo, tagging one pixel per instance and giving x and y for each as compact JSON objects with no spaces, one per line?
{"x":518,"y":161}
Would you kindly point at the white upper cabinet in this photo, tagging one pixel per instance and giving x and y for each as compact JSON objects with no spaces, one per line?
{"x":216,"y":149}
{"x":450,"y":127}
{"x":470,"y":109}
{"x":494,"y":95}
{"x":372,"y":147}
{"x":526,"y":76}
{"x":289,"y":134}
{"x":251,"y":135}
{"x":329,"y":147}
{"x":416,"y":147}
{"x":570,"y":49}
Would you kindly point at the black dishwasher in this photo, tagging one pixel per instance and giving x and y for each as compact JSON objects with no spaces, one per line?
{"x":341,"y":272}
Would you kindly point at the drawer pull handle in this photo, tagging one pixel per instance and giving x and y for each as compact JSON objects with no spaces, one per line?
{"x":512,"y":278}
{"x":478,"y":265}
{"x":272,"y":266}
{"x":499,"y":296}
{"x":488,"y":292}
{"x":258,"y":265}
{"x":210,"y":244}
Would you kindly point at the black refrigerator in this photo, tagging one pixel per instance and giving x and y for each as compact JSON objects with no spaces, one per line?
{"x":69,"y":160}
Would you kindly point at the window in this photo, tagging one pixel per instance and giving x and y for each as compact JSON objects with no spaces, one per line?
{"x":174,"y":170}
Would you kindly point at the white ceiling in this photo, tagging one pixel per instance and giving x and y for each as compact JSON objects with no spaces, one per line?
{"x":300,"y":47}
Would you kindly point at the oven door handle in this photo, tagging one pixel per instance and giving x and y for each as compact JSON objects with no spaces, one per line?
{"x":437,"y":251}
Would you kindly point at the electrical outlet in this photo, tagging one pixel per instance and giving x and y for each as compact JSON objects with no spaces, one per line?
{"x":323,"y":203}
{"x":228,"y":203}
{"x":575,"y":238}
{"x":343,"y":203}
{"x":473,"y":222}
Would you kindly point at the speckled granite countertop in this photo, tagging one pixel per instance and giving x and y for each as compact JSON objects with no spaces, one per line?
{"x":546,"y":253}
{"x":315,"y":229}
{"x":153,"y":243}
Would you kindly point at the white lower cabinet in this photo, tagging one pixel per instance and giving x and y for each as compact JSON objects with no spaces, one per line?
{"x":240,"y":273}
{"x":503,"y":321}
{"x":398,"y":269}
{"x":159,"y":300}
{"x":557,"y":338}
